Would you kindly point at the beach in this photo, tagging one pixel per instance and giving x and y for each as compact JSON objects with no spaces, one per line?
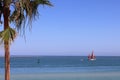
{"x":66,"y":76}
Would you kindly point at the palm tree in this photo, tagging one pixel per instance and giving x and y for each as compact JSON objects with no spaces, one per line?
{"x":17,"y":12}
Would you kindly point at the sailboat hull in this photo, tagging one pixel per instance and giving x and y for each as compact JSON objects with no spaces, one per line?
{"x":92,"y":59}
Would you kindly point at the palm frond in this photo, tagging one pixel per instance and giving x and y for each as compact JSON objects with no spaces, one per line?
{"x":18,"y":19}
{"x":43,"y":2}
{"x":25,"y":11}
{"x":8,"y":35}
{"x":34,"y":6}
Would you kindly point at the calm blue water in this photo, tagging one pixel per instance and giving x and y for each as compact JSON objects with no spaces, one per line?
{"x":38,"y":64}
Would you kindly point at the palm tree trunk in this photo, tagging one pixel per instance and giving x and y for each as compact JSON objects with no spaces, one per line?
{"x":6,"y":44}
{"x":7,"y":60}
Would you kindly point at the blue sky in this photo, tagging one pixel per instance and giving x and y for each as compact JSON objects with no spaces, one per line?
{"x":73,"y":27}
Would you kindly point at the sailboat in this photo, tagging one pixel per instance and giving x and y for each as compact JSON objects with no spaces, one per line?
{"x":91,"y":56}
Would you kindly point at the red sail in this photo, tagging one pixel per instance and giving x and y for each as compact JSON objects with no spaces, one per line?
{"x":92,"y":56}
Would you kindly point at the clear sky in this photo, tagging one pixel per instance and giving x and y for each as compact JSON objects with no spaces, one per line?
{"x":73,"y":27}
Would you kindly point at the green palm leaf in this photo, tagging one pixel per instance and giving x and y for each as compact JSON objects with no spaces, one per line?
{"x":8,"y":35}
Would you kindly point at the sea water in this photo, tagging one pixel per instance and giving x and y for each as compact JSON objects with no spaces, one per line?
{"x":61,"y":64}
{"x":62,"y":67}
